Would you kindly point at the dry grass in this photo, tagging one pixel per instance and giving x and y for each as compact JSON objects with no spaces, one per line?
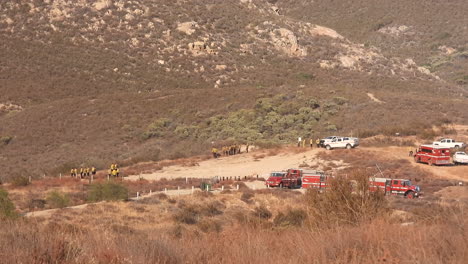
{"x":225,"y":229}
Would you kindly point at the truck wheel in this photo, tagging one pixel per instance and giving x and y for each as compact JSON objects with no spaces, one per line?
{"x":410,"y":195}
{"x":328,"y":147}
{"x":348,"y":146}
{"x":457,"y":147}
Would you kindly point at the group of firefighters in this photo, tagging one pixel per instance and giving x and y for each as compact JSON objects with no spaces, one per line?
{"x":114,"y":170}
{"x":83,"y":172}
{"x":228,"y":150}
{"x":303,"y":142}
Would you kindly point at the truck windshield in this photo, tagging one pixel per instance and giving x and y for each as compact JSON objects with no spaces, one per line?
{"x":407,"y":183}
{"x":277,"y":174}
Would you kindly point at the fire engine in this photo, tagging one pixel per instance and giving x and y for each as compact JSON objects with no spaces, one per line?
{"x":432,"y":155}
{"x":386,"y":185}
{"x":291,"y":178}
{"x":394,"y":187}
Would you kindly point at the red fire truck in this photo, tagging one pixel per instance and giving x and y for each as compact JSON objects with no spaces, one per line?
{"x":386,"y":185}
{"x":394,"y":187}
{"x":432,"y":155}
{"x":291,"y":178}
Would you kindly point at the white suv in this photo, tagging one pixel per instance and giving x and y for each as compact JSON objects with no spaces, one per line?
{"x":342,"y":142}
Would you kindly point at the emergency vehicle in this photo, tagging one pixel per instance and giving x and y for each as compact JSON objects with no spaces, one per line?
{"x":432,"y":155}
{"x":386,"y":185}
{"x":292,"y":178}
{"x":275,"y":179}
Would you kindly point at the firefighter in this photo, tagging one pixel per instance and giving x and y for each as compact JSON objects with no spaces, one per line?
{"x":410,"y":152}
{"x":311,"y":142}
{"x":215,"y":152}
{"x":81,"y":173}
{"x":112,"y":166}
{"x":71,"y":172}
{"x":114,"y":173}
{"x":318,"y":142}
{"x":87,"y":171}
{"x":75,"y":172}
{"x":109,"y":173}
{"x":117,"y":172}
{"x":304,"y":143}
{"x":247,"y":148}
{"x":299,"y":140}
{"x":93,"y":171}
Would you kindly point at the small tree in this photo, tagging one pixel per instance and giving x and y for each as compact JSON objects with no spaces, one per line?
{"x":7,"y":208}
{"x":107,"y":192}
{"x":58,"y":200}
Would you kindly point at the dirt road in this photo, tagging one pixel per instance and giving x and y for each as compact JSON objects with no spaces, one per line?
{"x":246,"y":164}
{"x":252,"y":164}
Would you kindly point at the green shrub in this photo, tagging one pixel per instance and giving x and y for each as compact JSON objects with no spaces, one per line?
{"x":5,"y":140}
{"x":7,"y":208}
{"x":19,"y":181}
{"x":58,"y":200}
{"x":107,"y":192}
{"x":157,"y":128}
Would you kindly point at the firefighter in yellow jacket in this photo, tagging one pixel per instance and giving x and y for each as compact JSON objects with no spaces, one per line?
{"x":214,"y":151}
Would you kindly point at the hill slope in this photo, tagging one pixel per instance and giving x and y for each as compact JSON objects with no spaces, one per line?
{"x":87,"y":83}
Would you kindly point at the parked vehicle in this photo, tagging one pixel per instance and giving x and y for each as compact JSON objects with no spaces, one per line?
{"x":449,"y":143}
{"x":432,"y":155}
{"x":395,"y":187}
{"x":275,"y":179}
{"x":291,"y":178}
{"x":460,"y":158}
{"x":386,"y":185}
{"x":342,"y":142}
{"x":326,"y":140}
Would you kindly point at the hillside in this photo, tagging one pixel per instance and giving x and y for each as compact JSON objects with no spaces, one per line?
{"x":86,"y":83}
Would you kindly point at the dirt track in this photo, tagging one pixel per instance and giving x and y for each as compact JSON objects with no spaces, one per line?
{"x":246,"y":164}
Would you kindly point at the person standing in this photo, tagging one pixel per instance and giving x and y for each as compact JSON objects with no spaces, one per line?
{"x":71,"y":172}
{"x":318,"y":142}
{"x":304,"y":143}
{"x":311,"y":142}
{"x":247,"y":148}
{"x":93,"y":171}
{"x":299,"y":141}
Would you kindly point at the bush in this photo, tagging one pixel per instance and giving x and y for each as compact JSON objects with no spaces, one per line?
{"x":262,"y":212}
{"x":5,"y":140}
{"x":246,"y":196}
{"x":19,"y":181}
{"x":58,"y":200}
{"x":187,"y":215}
{"x":7,"y":208}
{"x":292,"y":217}
{"x":107,"y":192}
{"x":346,"y":202}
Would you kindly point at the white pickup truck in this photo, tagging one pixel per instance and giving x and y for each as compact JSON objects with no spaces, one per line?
{"x":449,"y":143}
{"x":342,"y":142}
{"x":460,"y":158}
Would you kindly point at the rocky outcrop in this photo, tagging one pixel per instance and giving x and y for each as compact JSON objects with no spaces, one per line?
{"x":285,"y":40}
{"x":187,"y":27}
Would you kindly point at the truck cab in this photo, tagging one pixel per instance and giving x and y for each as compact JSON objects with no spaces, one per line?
{"x":275,"y":179}
{"x":432,"y":155}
